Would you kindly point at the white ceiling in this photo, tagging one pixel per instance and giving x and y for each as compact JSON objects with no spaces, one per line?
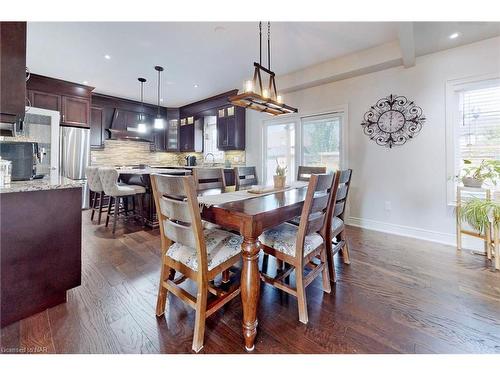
{"x":216,"y":56}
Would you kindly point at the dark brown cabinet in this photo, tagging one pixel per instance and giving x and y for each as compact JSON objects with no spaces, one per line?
{"x":96,"y":127}
{"x":12,"y":71}
{"x":231,"y":128}
{"x":172,"y":135}
{"x":191,"y":134}
{"x":75,"y":111}
{"x":72,"y":100}
{"x":44,"y":100}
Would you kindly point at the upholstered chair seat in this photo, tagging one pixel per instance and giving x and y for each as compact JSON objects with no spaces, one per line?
{"x":221,"y":246}
{"x":283,"y":238}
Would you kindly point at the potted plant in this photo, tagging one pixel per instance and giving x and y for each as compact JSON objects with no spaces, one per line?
{"x":479,"y":213}
{"x":279,"y":176}
{"x":476,"y":176}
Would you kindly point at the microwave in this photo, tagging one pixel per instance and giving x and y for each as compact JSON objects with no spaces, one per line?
{"x":24,"y":157}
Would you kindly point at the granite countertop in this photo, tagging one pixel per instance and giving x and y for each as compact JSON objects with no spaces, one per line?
{"x":52,"y":182}
{"x":166,"y":170}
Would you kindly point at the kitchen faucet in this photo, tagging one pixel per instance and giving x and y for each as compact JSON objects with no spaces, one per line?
{"x":213,"y":157}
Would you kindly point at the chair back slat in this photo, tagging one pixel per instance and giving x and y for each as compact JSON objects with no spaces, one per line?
{"x":305,"y":172}
{"x":314,"y":217}
{"x":245,"y":177}
{"x":175,"y":210}
{"x":209,"y":178}
{"x":342,"y":192}
{"x":179,"y":233}
{"x":179,"y":215}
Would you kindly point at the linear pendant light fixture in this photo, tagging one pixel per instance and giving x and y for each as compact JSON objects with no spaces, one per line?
{"x":141,"y":126}
{"x":255,"y":96}
{"x":159,"y":123}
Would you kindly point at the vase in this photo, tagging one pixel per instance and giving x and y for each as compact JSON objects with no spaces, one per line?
{"x":279,"y":182}
{"x":472,"y":182}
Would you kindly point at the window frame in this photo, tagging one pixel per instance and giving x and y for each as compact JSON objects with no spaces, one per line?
{"x":297,"y":119}
{"x":453,"y":89}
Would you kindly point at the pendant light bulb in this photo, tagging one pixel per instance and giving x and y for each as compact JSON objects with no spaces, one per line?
{"x":159,"y":123}
{"x":279,"y":99}
{"x":249,"y":86}
{"x":141,"y":127}
{"x":265,"y":93}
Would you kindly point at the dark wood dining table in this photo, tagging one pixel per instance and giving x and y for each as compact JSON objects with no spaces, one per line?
{"x":250,"y":217}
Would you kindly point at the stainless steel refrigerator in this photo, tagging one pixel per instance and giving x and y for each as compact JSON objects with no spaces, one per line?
{"x":74,"y":156}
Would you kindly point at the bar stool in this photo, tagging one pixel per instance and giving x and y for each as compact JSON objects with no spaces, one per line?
{"x":96,"y":191}
{"x":118,"y":191}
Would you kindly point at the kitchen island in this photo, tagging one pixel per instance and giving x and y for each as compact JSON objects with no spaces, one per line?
{"x":40,"y":245}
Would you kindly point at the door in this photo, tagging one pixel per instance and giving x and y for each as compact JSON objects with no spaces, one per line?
{"x":172,"y":135}
{"x":75,"y":111}
{"x":74,"y":152}
{"x":45,"y":100}
{"x":187,"y":137}
{"x":321,"y":141}
{"x":279,"y":147}
{"x":96,"y":127}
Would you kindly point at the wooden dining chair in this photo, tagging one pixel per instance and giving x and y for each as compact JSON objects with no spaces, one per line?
{"x":338,"y":234}
{"x":305,"y":172}
{"x":304,"y":247}
{"x":209,"y":178}
{"x":245,"y":177}
{"x":198,"y":254}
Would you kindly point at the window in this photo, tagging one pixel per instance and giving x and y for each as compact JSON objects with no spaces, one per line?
{"x":321,"y":141}
{"x":310,"y":140}
{"x":279,"y":146}
{"x":210,"y":151}
{"x":473,"y":125}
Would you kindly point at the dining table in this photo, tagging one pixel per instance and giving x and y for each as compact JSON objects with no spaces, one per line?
{"x":251,"y":215}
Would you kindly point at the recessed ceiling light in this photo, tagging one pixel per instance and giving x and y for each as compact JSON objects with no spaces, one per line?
{"x":107,"y":57}
{"x":195,"y":86}
{"x":219,"y":28}
{"x":85,"y":82}
{"x":454,"y":35}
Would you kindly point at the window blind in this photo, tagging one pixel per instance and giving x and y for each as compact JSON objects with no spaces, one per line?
{"x":479,"y":124}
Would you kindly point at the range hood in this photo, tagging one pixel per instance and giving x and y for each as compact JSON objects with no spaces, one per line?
{"x":128,"y":135}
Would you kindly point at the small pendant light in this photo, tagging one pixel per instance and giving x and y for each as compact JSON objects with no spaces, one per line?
{"x":159,"y":123}
{"x":141,"y":126}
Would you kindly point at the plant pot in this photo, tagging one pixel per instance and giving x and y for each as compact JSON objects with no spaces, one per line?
{"x":472,"y":182}
{"x":279,"y":182}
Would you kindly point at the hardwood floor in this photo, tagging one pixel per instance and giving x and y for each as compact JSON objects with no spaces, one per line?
{"x":399,"y":295}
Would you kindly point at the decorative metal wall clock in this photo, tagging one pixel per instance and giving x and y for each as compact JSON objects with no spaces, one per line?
{"x":393,"y":120}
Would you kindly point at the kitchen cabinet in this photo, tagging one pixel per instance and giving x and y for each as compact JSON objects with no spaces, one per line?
{"x":231,"y":128}
{"x":191,"y":134}
{"x":12,"y":71}
{"x":44,"y":100}
{"x":75,"y":112}
{"x":96,"y":127}
{"x":70,"y":99}
{"x":172,"y":135}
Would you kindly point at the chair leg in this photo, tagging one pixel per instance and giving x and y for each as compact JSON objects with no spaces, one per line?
{"x":108,"y":214}
{"x":115,"y":213}
{"x":345,"y":248}
{"x":301,"y":295}
{"x":199,"y":325}
{"x":459,"y":234}
{"x":101,"y":204}
{"x":331,"y":265}
{"x":226,"y":276}
{"x":140,"y":202}
{"x":326,"y":277}
{"x":496,"y":236}
{"x":162,"y":291}
{"x":93,"y":201}
{"x":487,"y":242}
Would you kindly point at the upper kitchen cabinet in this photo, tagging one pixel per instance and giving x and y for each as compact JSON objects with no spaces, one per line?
{"x":12,"y":71}
{"x":72,"y":100}
{"x":96,"y":127}
{"x":231,"y":128}
{"x":172,"y":131}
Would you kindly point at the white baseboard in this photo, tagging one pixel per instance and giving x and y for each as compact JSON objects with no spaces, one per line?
{"x":419,"y":233}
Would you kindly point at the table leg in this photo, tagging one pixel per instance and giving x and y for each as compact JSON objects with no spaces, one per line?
{"x":250,"y":290}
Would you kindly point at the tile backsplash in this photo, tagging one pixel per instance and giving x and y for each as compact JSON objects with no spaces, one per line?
{"x":131,"y":152}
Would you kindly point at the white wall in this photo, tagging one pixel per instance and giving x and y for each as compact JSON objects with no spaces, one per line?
{"x":412,"y":177}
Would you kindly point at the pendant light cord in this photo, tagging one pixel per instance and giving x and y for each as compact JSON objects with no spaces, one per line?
{"x":260,"y":42}
{"x":268,"y":45}
{"x":159,"y":85}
